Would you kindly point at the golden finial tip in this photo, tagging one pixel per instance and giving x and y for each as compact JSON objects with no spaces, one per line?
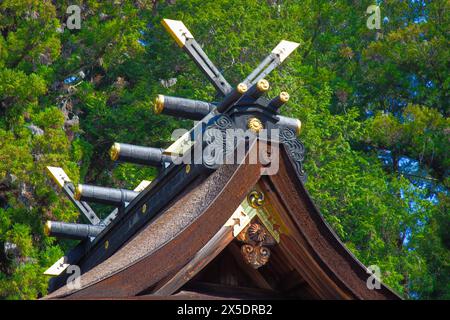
{"x":78,"y":191}
{"x":284,"y":96}
{"x":177,"y":30}
{"x":263,"y":85}
{"x":114,"y":151}
{"x":47,"y":228}
{"x":159,"y":104}
{"x":242,"y":88}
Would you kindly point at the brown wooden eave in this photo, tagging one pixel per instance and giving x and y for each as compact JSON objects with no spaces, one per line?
{"x":309,"y":250}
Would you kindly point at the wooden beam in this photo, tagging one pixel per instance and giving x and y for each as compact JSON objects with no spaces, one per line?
{"x":291,"y":281}
{"x":236,"y":223}
{"x":220,"y":240}
{"x":232,"y":291}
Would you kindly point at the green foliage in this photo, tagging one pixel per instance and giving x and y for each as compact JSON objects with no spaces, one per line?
{"x":67,"y":95}
{"x":420,"y":132}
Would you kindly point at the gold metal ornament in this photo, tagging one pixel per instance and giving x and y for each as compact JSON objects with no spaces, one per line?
{"x":114,"y":151}
{"x":263,"y":85}
{"x":299,"y":127}
{"x":242,"y":88}
{"x":256,"y":199}
{"x":78,"y":191}
{"x":47,"y":228}
{"x":284,"y":96}
{"x":159,"y":104}
{"x":255,"y":125}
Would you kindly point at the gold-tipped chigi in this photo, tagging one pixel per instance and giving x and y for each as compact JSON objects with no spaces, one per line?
{"x":159,"y":104}
{"x":58,"y":175}
{"x":78,"y":191}
{"x":177,"y":30}
{"x":114,"y":151}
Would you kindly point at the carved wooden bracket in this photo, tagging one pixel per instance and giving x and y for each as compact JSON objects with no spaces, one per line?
{"x":256,"y":238}
{"x":256,"y":256}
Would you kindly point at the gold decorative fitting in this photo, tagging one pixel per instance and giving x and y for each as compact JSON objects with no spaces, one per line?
{"x":263,"y":85}
{"x":256,"y":238}
{"x":299,"y":127}
{"x":159,"y":104}
{"x":188,"y":168}
{"x":144,"y":208}
{"x":255,"y":125}
{"x":256,"y":199}
{"x":242,"y":88}
{"x":114,"y":151}
{"x":106,"y":245}
{"x":47,"y":228}
{"x":78,"y":191}
{"x":284,"y":97}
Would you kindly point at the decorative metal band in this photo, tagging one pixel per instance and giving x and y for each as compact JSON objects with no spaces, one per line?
{"x":47,"y":228}
{"x":78,"y":191}
{"x":159,"y":104}
{"x":299,"y":127}
{"x":114,"y":151}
